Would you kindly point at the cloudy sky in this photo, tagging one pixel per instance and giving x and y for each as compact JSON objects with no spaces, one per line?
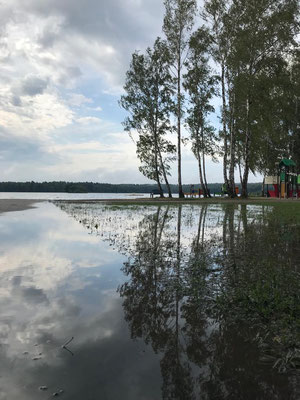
{"x":62,"y":68}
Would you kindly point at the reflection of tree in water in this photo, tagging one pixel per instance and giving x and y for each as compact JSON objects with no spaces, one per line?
{"x":145,"y":294}
{"x":153,"y":296}
{"x":171,"y":301}
{"x":202,"y":284}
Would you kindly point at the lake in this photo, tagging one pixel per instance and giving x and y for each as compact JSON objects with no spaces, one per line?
{"x":150,"y":302}
{"x":70,"y":196}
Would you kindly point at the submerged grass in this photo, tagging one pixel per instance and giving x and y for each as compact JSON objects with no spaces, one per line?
{"x":251,"y":254}
{"x":263,"y":290}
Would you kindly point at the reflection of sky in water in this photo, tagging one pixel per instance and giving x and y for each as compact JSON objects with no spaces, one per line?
{"x":57,"y":282}
{"x":59,"y":278}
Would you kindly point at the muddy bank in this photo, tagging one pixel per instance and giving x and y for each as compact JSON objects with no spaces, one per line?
{"x":161,"y":201}
{"x":7,"y":205}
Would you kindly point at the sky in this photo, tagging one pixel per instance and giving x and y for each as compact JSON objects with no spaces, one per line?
{"x":62,"y":69}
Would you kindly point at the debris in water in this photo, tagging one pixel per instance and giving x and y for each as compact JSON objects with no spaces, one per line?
{"x":69,"y":341}
{"x":64,"y":346}
{"x":59,"y":392}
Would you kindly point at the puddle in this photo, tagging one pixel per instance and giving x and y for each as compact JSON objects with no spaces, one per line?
{"x":143,"y":302}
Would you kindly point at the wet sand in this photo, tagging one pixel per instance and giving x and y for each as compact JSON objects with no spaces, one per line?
{"x":7,"y":205}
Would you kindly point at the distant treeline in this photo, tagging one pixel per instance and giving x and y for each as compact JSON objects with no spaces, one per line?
{"x":91,"y":187}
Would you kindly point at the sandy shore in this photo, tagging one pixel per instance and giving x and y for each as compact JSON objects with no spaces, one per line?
{"x":7,"y":205}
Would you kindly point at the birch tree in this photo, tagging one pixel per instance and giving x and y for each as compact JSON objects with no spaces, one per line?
{"x":263,"y":34}
{"x":148,"y":100}
{"x":178,"y":22}
{"x":200,"y":83}
{"x":251,"y":40}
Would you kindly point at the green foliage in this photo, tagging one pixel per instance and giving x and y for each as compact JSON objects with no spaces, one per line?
{"x":178,"y":22}
{"x":201,"y":86}
{"x":252,"y":43}
{"x":255,"y":47}
{"x":262,"y":288}
{"x":148,"y":99}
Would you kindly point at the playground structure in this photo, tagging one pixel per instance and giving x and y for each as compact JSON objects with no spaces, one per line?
{"x":286,"y":184}
{"x":194,"y":193}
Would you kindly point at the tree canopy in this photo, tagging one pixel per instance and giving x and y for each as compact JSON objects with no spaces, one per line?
{"x":246,"y":54}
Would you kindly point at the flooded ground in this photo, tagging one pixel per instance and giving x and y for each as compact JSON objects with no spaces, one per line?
{"x":182,"y":302}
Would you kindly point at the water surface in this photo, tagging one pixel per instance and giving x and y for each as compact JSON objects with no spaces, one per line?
{"x":70,"y":196}
{"x":138,"y":289}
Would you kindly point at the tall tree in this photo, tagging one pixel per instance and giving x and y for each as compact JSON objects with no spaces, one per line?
{"x":293,"y":107}
{"x":200,"y":84}
{"x":178,"y":22}
{"x":263,"y":34}
{"x":215,"y":14}
{"x":255,"y":36}
{"x":148,"y":99}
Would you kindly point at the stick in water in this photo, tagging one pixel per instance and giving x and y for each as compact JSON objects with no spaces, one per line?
{"x":69,"y":341}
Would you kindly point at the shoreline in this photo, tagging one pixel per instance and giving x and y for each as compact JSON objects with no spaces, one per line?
{"x":196,"y":201}
{"x":11,"y":205}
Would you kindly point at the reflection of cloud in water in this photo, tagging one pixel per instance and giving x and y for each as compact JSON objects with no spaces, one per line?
{"x":45,"y":262}
{"x":103,"y":356}
{"x":181,"y":261}
{"x":58,"y":282}
{"x":61,"y":282}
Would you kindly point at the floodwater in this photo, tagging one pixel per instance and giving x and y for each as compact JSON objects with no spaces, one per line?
{"x":148,"y":299}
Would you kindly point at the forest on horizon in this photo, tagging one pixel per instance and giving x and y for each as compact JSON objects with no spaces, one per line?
{"x":92,"y":187}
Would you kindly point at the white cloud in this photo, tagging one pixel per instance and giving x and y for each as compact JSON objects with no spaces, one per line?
{"x":53,"y":53}
{"x":33,"y":116}
{"x":49,"y":50}
{"x":77,"y":100}
{"x":88,"y":120}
